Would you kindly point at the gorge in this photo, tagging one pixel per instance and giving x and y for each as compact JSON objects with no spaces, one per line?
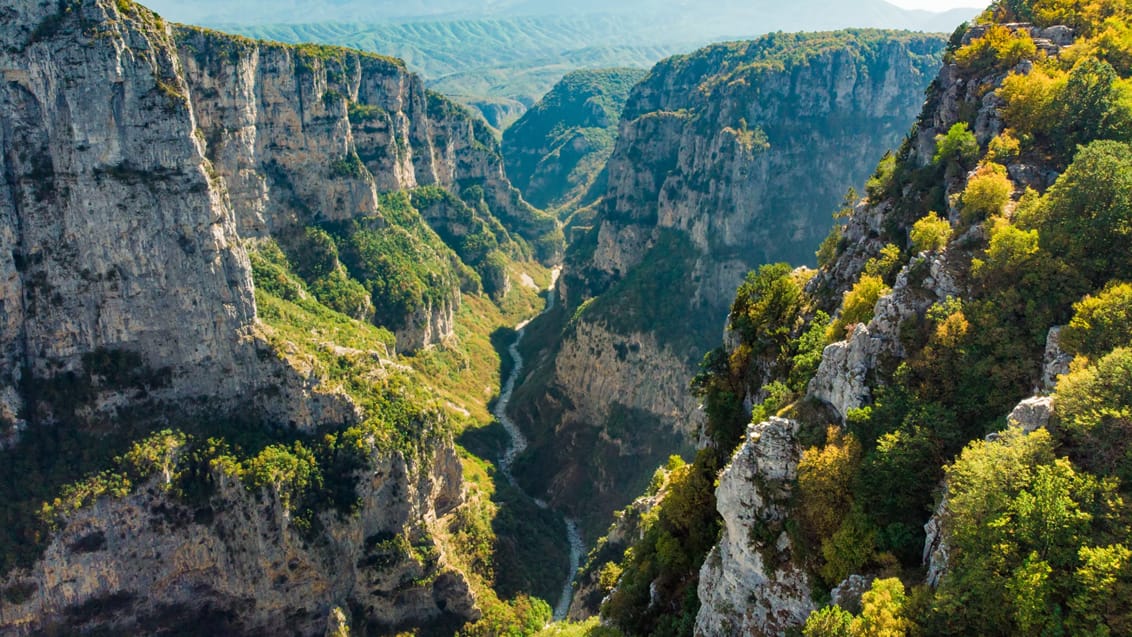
{"x":284,"y":349}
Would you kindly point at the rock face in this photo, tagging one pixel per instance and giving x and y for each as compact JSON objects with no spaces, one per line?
{"x":713,"y":175}
{"x":138,"y":156}
{"x":749,"y":584}
{"x":138,"y":163}
{"x":843,"y":377}
{"x":239,"y":566}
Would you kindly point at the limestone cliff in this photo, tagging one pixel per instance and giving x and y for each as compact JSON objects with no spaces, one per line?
{"x":714,"y":172}
{"x":148,"y":562}
{"x":144,"y":166}
{"x":751,"y":583}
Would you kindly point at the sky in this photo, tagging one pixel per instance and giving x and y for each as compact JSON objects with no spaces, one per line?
{"x":939,"y":5}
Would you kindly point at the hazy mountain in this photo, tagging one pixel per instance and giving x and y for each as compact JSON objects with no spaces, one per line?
{"x":502,"y":56}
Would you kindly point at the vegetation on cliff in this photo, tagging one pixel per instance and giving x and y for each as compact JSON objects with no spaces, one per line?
{"x":1021,"y":205}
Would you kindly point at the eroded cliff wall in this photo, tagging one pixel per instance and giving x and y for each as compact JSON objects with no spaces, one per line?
{"x":727,"y":158}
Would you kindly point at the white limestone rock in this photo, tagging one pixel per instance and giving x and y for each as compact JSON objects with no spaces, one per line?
{"x":740,"y":592}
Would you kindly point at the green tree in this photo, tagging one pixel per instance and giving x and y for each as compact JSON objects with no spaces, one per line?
{"x":930,"y":233}
{"x":830,"y":621}
{"x":882,"y":611}
{"x":957,"y":147}
{"x":986,"y":194}
{"x":1100,"y":323}
{"x":1086,"y":216}
{"x":858,"y":304}
{"x":1094,"y":408}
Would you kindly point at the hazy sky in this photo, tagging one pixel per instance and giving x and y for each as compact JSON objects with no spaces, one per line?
{"x":939,"y":5}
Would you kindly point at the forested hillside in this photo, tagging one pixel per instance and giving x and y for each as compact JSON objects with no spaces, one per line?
{"x":555,"y":153}
{"x":942,"y":408}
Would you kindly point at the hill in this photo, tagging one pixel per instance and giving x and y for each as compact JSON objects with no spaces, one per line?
{"x":555,"y":152}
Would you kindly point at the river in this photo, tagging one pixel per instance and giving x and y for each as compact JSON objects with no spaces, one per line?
{"x":519,"y":444}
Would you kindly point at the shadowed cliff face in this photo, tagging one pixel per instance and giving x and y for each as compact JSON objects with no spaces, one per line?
{"x":727,"y":158}
{"x":140,"y":165}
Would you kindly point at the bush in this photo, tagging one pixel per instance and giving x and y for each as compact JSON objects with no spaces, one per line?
{"x":1030,"y":107}
{"x":1003,"y":148}
{"x":986,"y":194}
{"x":825,"y":476}
{"x":930,"y":233}
{"x":999,"y":48}
{"x":827,"y":251}
{"x":858,"y":305}
{"x":958,"y":146}
{"x":886,"y":264}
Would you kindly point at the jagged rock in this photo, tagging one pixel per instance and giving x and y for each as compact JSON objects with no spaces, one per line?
{"x":842,"y":376}
{"x":848,"y":593}
{"x":751,"y":586}
{"x":1055,"y":362}
{"x":936,"y":549}
{"x":1058,"y":34}
{"x":1032,"y":414}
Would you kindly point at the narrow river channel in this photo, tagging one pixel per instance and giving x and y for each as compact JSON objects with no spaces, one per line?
{"x":519,"y":444}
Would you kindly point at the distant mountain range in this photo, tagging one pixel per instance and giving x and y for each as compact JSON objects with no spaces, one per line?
{"x":501,"y":56}
{"x":712,"y":18}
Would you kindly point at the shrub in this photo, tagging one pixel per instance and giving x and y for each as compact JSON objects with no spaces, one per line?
{"x":886,"y":264}
{"x":858,"y":305}
{"x":827,"y":251}
{"x":1003,"y":148}
{"x":930,"y":233}
{"x":824,"y":478}
{"x":879,"y":184}
{"x":1030,"y":107}
{"x":1000,"y":47}
{"x":957,"y":146}
{"x":831,"y":621}
{"x":986,"y":193}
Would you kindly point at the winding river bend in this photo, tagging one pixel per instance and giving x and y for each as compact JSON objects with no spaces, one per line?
{"x":519,"y":444}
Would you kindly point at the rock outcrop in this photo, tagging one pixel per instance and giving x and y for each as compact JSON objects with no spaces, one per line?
{"x":239,"y":565}
{"x":750,"y":583}
{"x":713,"y":175}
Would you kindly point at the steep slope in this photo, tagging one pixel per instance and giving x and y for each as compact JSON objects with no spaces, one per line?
{"x":932,"y":426}
{"x":202,"y":430}
{"x":713,"y":173}
{"x":555,"y":152}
